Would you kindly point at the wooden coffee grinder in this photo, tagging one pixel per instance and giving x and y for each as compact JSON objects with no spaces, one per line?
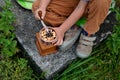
{"x":43,"y":48}
{"x":44,"y":40}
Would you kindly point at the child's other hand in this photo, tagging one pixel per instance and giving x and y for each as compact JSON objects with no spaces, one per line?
{"x":37,"y":16}
{"x":60,"y":35}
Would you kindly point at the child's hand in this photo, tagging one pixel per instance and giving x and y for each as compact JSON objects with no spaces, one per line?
{"x":37,"y":16}
{"x":60,"y":35}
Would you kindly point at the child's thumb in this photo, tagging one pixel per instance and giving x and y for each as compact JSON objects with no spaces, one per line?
{"x":43,"y":15}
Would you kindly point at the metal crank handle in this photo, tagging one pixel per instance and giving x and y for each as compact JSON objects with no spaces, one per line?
{"x":44,"y":25}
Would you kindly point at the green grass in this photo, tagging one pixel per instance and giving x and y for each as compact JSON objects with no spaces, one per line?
{"x":12,"y":65}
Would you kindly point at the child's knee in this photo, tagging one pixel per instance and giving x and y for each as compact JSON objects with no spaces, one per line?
{"x":35,"y":5}
{"x":103,"y":4}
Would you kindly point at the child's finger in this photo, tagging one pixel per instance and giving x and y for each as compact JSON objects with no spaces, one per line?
{"x":43,"y":15}
{"x":37,"y":17}
{"x":59,"y":43}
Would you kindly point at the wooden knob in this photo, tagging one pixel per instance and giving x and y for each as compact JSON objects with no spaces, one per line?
{"x":40,"y":14}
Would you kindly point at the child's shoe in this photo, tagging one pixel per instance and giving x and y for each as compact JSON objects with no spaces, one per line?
{"x":85,"y":45}
{"x":70,"y":38}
